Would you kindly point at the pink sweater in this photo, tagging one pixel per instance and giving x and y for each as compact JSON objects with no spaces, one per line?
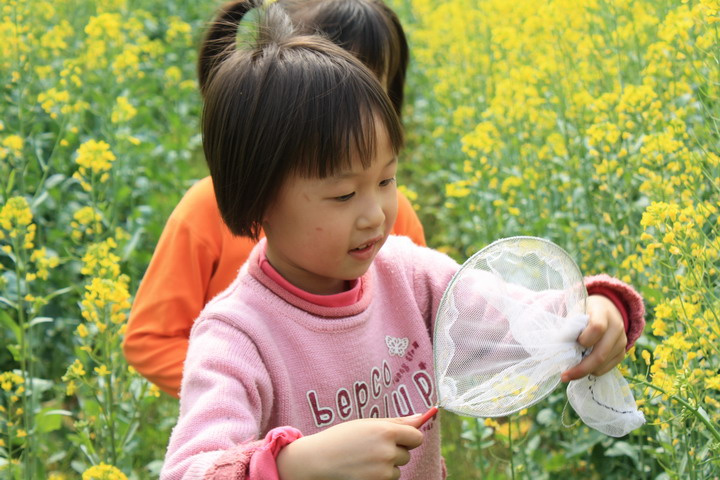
{"x":262,"y":357}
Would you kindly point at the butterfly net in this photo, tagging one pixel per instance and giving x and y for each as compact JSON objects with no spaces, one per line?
{"x":507,"y":327}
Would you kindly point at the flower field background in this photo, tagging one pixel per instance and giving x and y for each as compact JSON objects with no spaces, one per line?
{"x":595,"y":124}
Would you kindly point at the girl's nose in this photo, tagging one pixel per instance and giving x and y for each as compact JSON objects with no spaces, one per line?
{"x":372,"y":215}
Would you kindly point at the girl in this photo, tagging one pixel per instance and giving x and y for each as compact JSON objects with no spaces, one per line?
{"x":313,"y":361}
{"x":197,"y":256}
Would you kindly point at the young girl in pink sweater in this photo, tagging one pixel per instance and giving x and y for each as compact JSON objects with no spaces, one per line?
{"x":196,"y":256}
{"x":317,"y":360}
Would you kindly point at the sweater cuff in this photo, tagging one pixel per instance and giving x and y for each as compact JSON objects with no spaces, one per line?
{"x":262,"y":463}
{"x":625,"y":298}
{"x":234,"y":463}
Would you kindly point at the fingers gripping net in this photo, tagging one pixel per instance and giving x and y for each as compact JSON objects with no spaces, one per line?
{"x":507,"y":327}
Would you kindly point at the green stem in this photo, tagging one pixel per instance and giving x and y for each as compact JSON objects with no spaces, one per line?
{"x":711,"y":428}
{"x":10,"y":465}
{"x":512,"y":454}
{"x":24,"y":361}
{"x":109,"y":401}
{"x":136,"y":412}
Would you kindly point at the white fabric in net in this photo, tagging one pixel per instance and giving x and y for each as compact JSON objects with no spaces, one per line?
{"x":507,"y":328}
{"x":605,"y":403}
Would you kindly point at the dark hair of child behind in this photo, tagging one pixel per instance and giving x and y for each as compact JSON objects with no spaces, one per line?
{"x":291,"y":104}
{"x":368,"y":29}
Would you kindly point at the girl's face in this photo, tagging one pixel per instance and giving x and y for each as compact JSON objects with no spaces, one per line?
{"x":323,"y":232}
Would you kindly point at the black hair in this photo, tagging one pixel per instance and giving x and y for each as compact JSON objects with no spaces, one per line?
{"x":369,"y":29}
{"x":291,"y":104}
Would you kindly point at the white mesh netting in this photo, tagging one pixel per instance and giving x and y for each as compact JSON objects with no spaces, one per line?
{"x":506,"y":329}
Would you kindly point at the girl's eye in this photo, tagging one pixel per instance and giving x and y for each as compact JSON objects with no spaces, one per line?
{"x":387,"y":182}
{"x":345,"y":198}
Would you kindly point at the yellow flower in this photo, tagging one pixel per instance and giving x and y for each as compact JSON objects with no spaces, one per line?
{"x":75,"y":370}
{"x":457,"y":189}
{"x":86,"y":221}
{"x":102,"y":370}
{"x":713,"y":382}
{"x":123,"y":111}
{"x":43,"y":262}
{"x":82,"y":330}
{"x":95,"y":156}
{"x":100,"y":261}
{"x":15,"y":214}
{"x":178,"y":29}
{"x":8,"y":380}
{"x":14,"y":143}
{"x":154,"y":391}
{"x":105,"y":25}
{"x":173,"y":75}
{"x":103,"y":472}
{"x":646,"y":356}
{"x":678,"y":342}
{"x":54,"y":101}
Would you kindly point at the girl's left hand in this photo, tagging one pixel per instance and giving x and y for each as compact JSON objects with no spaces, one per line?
{"x":605,"y":332}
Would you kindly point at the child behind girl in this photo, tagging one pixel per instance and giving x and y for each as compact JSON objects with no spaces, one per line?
{"x":197,"y":256}
{"x":311,"y":364}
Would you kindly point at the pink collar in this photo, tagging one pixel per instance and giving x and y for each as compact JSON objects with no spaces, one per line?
{"x":342,"y":299}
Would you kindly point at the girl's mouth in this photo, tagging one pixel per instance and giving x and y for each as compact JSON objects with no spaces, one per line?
{"x":363,"y":247}
{"x":365,"y":251}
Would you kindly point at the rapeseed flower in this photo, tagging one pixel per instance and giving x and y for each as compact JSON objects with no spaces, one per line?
{"x":16,"y":223}
{"x":95,"y":160}
{"x":95,"y":156}
{"x":103,"y":472}
{"x":86,"y":221}
{"x":123,"y":111}
{"x":100,"y":260}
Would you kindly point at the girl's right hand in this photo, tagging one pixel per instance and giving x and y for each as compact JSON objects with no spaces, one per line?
{"x":367,"y":449}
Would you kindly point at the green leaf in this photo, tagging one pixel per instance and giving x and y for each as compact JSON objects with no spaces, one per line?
{"x":49,"y":419}
{"x":8,"y":302}
{"x":7,"y":321}
{"x":14,"y":350}
{"x":58,"y":292}
{"x":584,"y":445}
{"x":546,"y":416}
{"x":624,"y":449}
{"x":133,"y":243}
{"x":11,"y":182}
{"x":39,"y":320}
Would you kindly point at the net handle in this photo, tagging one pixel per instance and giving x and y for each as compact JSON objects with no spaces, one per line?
{"x":427,"y":416}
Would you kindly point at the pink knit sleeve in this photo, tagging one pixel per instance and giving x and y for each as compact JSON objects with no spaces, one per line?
{"x":631,"y":303}
{"x":225,"y":390}
{"x":234,"y":463}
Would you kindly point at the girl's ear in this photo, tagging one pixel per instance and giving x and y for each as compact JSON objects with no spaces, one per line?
{"x":220,"y":38}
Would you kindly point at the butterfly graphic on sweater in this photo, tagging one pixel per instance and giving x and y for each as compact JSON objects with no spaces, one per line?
{"x":396,"y":346}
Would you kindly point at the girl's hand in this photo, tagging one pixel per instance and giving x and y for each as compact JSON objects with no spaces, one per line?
{"x":367,"y":449}
{"x":605,"y":332}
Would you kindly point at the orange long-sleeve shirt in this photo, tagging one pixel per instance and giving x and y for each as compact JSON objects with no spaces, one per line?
{"x":195,"y":259}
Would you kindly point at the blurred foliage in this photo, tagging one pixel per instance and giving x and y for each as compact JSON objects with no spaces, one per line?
{"x":593,"y":124}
